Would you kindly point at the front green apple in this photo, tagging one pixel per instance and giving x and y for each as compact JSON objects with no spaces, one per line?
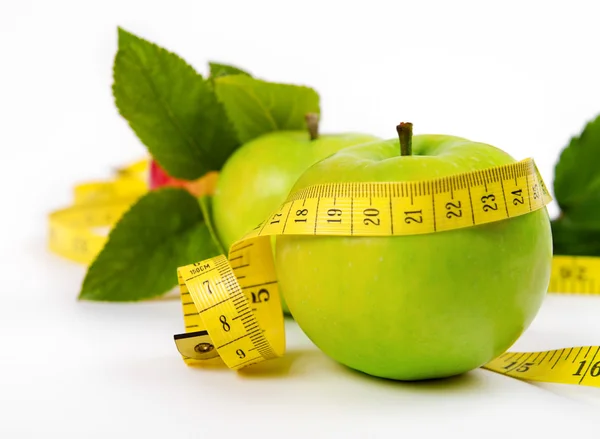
{"x":258,"y":177}
{"x":420,"y":306}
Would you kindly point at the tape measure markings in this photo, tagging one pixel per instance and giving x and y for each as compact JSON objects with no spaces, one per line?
{"x":220,"y":305}
{"x":424,"y":207}
{"x":99,"y":204}
{"x":575,"y":274}
{"x":579,"y":370}
{"x":95,"y":204}
{"x":504,"y":194}
{"x":365,"y":204}
{"x":324,"y":209}
{"x":71,"y":230}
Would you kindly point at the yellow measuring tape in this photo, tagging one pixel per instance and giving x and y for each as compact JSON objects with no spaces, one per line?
{"x":79,"y":232}
{"x":231,"y":305}
{"x":575,"y":274}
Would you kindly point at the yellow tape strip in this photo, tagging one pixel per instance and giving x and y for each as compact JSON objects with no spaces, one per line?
{"x":575,"y":274}
{"x":410,"y":208}
{"x":231,"y":307}
{"x":80,"y":231}
{"x":215,"y":302}
{"x":578,"y":365}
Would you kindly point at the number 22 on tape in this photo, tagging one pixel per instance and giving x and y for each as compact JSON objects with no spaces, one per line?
{"x":232,"y":307}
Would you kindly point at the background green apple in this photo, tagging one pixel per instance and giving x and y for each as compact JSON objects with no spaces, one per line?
{"x":258,"y":177}
{"x":419,"y":306}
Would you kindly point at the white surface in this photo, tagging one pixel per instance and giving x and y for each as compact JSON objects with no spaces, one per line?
{"x":519,"y":75}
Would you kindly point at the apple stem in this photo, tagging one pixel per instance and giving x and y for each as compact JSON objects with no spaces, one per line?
{"x":312,"y":122}
{"x":405,"y":135}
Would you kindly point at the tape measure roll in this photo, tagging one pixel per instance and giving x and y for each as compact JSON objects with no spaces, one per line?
{"x":231,"y":306}
{"x":220,"y":319}
{"x":76,"y":231}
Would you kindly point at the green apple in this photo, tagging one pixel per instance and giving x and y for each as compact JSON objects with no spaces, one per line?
{"x":257,"y":178}
{"x":419,"y":306}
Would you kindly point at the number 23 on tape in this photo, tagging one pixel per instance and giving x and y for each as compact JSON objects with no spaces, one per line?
{"x":232,"y":308}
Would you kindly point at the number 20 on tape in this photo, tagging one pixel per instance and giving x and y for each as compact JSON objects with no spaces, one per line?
{"x":232,"y":307}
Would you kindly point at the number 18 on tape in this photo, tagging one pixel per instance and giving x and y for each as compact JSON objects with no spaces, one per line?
{"x":232,"y":308}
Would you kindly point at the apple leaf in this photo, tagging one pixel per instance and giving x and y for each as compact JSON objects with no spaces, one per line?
{"x":172,"y":109}
{"x":256,"y":107}
{"x":569,"y":239}
{"x":125,"y":38}
{"x":577,"y":178}
{"x":163,"y":230}
{"x":217,"y":70}
{"x":206,"y":207}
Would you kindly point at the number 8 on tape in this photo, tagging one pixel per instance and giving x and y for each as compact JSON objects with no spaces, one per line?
{"x":232,"y":307}
{"x":214,"y":302}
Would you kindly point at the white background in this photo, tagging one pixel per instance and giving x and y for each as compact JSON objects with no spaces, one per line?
{"x":524,"y":76}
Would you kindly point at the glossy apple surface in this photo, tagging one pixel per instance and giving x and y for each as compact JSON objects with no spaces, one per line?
{"x":421,"y":306}
{"x":258,"y":177}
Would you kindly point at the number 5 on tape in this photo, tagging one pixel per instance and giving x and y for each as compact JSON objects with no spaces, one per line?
{"x":224,"y":301}
{"x":232,"y":308}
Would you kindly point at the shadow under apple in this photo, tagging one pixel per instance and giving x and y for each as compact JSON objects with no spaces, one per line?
{"x":467,"y":381}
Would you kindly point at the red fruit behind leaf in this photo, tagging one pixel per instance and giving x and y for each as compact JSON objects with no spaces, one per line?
{"x":205,"y":185}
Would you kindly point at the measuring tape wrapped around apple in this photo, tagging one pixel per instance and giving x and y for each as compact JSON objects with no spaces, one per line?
{"x":367,"y":248}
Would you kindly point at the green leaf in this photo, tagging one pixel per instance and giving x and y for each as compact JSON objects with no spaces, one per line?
{"x":163,"y":230}
{"x":577,"y":178}
{"x":205,"y":202}
{"x":125,"y":38}
{"x":171,"y":108}
{"x":258,"y":107}
{"x":217,"y":70}
{"x":569,"y":239}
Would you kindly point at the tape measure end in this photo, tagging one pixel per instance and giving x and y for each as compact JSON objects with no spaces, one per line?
{"x":195,"y":345}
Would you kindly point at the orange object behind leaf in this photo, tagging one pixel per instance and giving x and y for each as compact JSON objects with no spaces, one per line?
{"x":204,"y":185}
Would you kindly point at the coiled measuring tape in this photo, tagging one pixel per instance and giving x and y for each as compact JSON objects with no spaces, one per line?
{"x":231,"y":305}
{"x":79,"y":232}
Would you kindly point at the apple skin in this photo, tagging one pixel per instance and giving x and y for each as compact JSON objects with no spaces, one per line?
{"x":420,"y":306}
{"x":258,"y":176}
